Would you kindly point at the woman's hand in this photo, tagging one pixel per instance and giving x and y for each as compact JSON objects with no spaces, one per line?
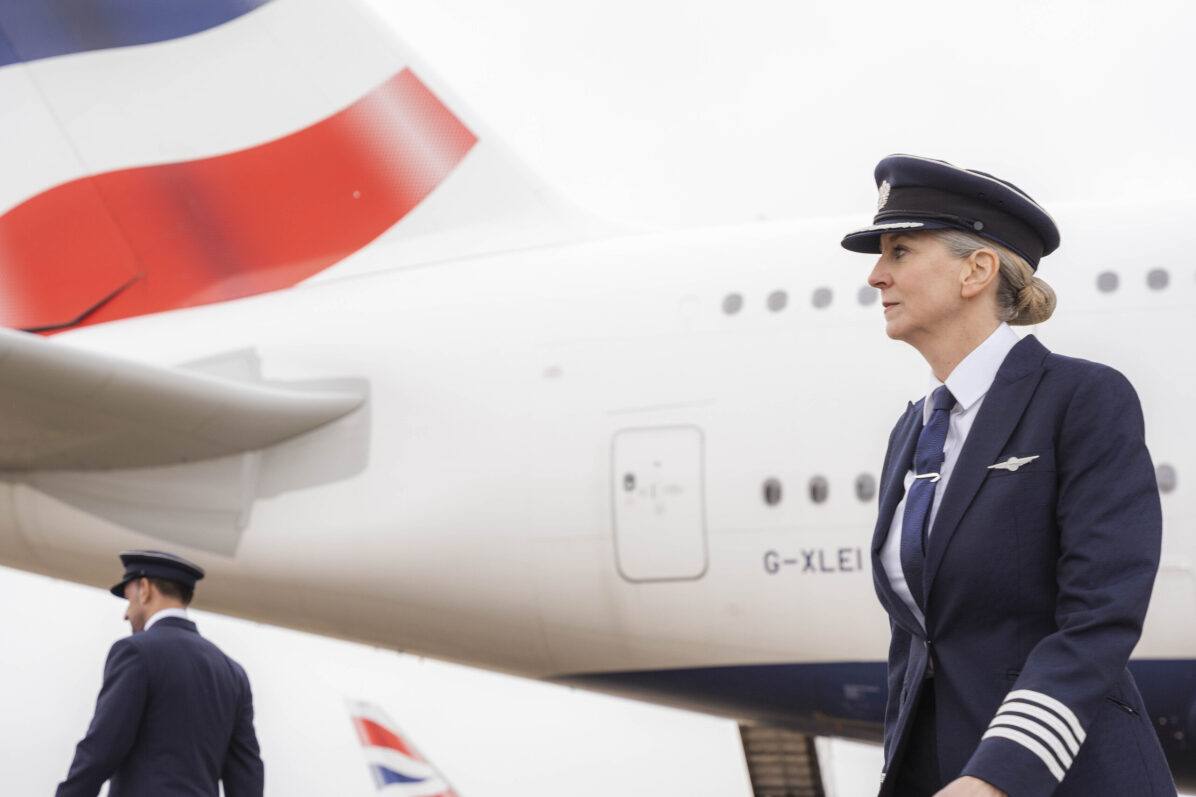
{"x":967,"y":786}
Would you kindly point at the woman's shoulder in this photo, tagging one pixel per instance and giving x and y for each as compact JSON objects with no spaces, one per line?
{"x":1065,"y":365}
{"x":1064,"y":368}
{"x":1086,"y":381}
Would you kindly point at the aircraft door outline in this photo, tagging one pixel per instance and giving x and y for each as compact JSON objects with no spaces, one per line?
{"x":658,"y":508}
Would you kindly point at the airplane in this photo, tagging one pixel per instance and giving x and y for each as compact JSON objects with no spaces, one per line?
{"x":341,"y":349}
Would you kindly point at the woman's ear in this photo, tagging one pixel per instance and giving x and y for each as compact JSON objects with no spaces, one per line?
{"x":980,"y":270}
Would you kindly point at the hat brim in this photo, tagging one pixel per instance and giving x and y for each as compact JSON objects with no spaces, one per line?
{"x":866,"y":240}
{"x":119,"y":589}
{"x":157,"y":564}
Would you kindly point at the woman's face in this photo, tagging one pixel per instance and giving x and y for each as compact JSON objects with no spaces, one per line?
{"x":920,"y":286}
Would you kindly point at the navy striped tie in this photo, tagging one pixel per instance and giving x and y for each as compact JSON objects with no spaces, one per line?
{"x":928,"y":460}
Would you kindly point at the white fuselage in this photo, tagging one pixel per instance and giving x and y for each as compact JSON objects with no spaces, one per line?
{"x":478,"y":508}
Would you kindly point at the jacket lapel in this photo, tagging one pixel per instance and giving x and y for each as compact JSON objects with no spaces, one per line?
{"x":1003,"y":406}
{"x":901,"y":454}
{"x":900,"y":457}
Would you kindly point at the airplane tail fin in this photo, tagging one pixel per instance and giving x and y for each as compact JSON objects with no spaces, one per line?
{"x":159,"y":156}
{"x":397,"y":767}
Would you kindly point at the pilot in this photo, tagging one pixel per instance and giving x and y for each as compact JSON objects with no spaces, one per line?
{"x":174,"y":715}
{"x":1019,"y":521}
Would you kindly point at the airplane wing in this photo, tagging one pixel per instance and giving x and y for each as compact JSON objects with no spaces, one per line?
{"x":62,"y":408}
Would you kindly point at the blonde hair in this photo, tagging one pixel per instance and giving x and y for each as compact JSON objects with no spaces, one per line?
{"x":1022,"y":297}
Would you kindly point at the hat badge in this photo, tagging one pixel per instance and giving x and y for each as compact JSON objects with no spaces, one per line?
{"x":883,"y":198}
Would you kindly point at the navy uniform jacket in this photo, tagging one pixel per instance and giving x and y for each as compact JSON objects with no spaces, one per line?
{"x":174,"y":717}
{"x":1037,"y":582}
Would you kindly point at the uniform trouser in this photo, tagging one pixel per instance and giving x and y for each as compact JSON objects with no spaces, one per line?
{"x":918,"y":770}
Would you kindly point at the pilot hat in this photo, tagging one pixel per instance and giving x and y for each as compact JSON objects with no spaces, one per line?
{"x":157,"y":564}
{"x":925,"y":194}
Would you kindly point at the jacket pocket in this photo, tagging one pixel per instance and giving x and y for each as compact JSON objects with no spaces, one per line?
{"x":1126,"y":707}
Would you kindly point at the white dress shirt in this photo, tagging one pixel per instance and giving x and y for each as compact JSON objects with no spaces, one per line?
{"x":969,"y":383}
{"x":162,"y":614}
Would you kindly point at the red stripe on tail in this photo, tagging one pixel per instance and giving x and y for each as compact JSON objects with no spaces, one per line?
{"x":371,"y":733}
{"x":156,"y":238}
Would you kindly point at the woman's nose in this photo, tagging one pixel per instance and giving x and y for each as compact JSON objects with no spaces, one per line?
{"x":879,"y":277}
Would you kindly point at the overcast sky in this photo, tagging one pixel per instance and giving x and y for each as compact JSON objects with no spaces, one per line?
{"x":704,"y":112}
{"x":675,"y":113}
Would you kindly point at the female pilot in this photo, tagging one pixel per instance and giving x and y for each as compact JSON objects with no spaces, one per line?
{"x":1019,"y":523}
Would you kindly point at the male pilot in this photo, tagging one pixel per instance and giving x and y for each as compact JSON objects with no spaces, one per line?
{"x":175,"y":715}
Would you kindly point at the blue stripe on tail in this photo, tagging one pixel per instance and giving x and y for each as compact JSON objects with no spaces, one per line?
{"x":384,"y":776}
{"x":33,"y":29}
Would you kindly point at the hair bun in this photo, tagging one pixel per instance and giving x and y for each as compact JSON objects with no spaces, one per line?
{"x":1035,"y":303}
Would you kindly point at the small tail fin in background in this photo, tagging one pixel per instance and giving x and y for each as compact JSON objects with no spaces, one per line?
{"x":397,"y":767}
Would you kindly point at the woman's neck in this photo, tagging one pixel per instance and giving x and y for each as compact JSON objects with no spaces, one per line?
{"x":944,"y":352}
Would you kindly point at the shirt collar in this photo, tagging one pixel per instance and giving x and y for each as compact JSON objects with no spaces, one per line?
{"x":972,"y":378}
{"x":162,"y":614}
